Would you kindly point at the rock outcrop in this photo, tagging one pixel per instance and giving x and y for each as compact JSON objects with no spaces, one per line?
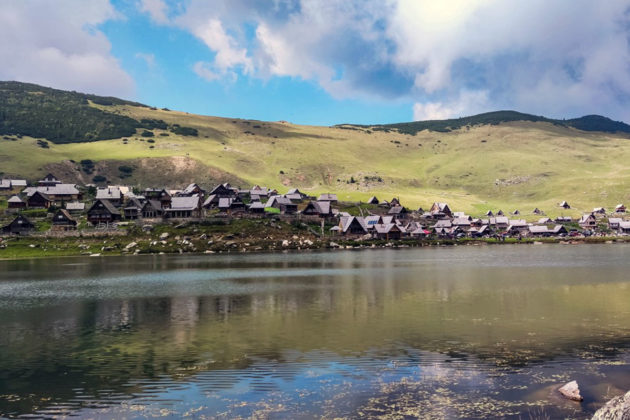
{"x":616,"y":409}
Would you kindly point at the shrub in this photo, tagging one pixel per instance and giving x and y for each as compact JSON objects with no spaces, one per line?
{"x":147,"y":133}
{"x":99,"y":178}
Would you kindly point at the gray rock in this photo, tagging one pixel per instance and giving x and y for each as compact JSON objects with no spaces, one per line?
{"x":164,"y":236}
{"x":571,"y":391}
{"x":616,"y":409}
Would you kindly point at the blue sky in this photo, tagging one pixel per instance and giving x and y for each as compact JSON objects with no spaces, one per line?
{"x":329,"y":61}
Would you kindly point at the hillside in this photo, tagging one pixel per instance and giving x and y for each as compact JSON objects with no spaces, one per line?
{"x":518,"y":163}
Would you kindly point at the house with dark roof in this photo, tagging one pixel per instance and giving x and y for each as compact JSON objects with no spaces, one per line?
{"x":133,"y":208}
{"x":49,"y":181}
{"x":565,"y":205}
{"x":151,"y":209}
{"x":39,"y":200}
{"x":352,"y":226}
{"x":295,"y":195}
{"x":63,"y":221}
{"x":224,"y":191}
{"x":620,"y":208}
{"x":281,"y":203}
{"x":19,"y":226}
{"x":373,"y":200}
{"x":102,"y":211}
{"x":441,"y":209}
{"x":318,"y":208}
{"x":159,"y":194}
{"x":193,"y":189}
{"x":399,"y":212}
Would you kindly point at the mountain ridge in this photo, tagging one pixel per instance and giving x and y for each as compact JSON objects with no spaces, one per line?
{"x":63,"y":116}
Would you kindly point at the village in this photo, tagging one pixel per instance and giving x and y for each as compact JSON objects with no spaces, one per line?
{"x":52,"y":208}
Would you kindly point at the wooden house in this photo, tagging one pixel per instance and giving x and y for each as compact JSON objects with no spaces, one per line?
{"x":20,"y":225}
{"x":588,"y":221}
{"x":39,"y":200}
{"x":75,"y":207}
{"x":373,"y":200}
{"x":193,"y":189}
{"x":565,"y":205}
{"x":256,"y":207}
{"x":152,"y":209}
{"x":352,"y":226}
{"x":440,"y":209}
{"x":49,"y":181}
{"x":102,"y":211}
{"x":399,"y":212}
{"x":620,"y":208}
{"x":224,"y":191}
{"x":389,"y":231}
{"x":184,"y":207}
{"x":111,"y":194}
{"x":281,"y":203}
{"x":15,"y":202}
{"x":318,"y":208}
{"x":63,"y":221}
{"x":161,"y":195}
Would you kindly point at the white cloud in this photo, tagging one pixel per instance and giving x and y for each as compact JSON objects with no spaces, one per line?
{"x":204,"y":70}
{"x":466,"y":103}
{"x":157,"y":10}
{"x":148,"y":58}
{"x":57,"y":44}
{"x":561,"y":58}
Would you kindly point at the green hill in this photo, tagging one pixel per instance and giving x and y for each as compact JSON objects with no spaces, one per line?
{"x":586,"y":123}
{"x":502,"y":160}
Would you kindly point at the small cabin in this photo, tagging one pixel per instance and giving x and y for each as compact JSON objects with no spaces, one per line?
{"x":63,"y":221}
{"x":19,"y":226}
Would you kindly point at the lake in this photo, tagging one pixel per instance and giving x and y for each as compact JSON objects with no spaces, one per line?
{"x":448,"y":332}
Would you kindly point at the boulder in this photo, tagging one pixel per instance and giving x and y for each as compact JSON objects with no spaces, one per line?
{"x":131,"y":245}
{"x":571,"y":391}
{"x":616,"y":409}
{"x":164,"y":236}
{"x":285,"y":243}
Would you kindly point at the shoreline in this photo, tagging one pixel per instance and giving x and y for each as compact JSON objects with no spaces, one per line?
{"x":25,"y":248}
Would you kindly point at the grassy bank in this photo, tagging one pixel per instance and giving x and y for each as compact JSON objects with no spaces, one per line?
{"x":219,"y":236}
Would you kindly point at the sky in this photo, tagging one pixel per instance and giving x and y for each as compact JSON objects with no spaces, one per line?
{"x":326,"y":62}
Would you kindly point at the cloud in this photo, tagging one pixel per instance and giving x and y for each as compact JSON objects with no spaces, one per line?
{"x":204,"y":70}
{"x":157,"y":10}
{"x":562,"y":58}
{"x":148,"y":58}
{"x":454,"y":108}
{"x":58,"y":44}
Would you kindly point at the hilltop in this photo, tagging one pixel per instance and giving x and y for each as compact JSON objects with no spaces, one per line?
{"x":496,"y":160}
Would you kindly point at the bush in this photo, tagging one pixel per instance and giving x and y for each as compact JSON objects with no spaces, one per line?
{"x":184,"y":131}
{"x":147,"y":133}
{"x":99,"y":178}
{"x":150,"y":141}
{"x":125,"y":169}
{"x":43,"y":144}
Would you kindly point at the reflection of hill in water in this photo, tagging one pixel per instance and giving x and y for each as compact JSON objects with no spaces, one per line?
{"x":492,"y":307}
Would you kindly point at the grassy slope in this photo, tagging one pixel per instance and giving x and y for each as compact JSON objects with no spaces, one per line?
{"x":539,"y":164}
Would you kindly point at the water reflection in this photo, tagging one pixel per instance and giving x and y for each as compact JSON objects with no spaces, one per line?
{"x":317,"y":334}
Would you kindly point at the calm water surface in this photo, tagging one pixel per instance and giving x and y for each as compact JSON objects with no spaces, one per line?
{"x":461,"y":332}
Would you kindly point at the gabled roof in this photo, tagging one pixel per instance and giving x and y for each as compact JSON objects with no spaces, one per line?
{"x":211,"y":199}
{"x":346,"y":222}
{"x":396,"y":210}
{"x":184,"y":203}
{"x":108,"y":206}
{"x":62,"y":214}
{"x":327,"y":197}
{"x":58,"y":189}
{"x":615,"y":220}
{"x":256,"y":205}
{"x":15,"y":199}
{"x":75,"y":206}
{"x":518,"y":223}
{"x":108,"y":193}
{"x":190,"y":189}
{"x":321,"y":207}
{"x":443,"y":224}
{"x":370,"y":221}
{"x":544,"y":220}
{"x":388,"y":227}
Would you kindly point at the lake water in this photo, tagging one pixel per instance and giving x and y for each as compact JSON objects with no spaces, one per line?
{"x":459,"y":332}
